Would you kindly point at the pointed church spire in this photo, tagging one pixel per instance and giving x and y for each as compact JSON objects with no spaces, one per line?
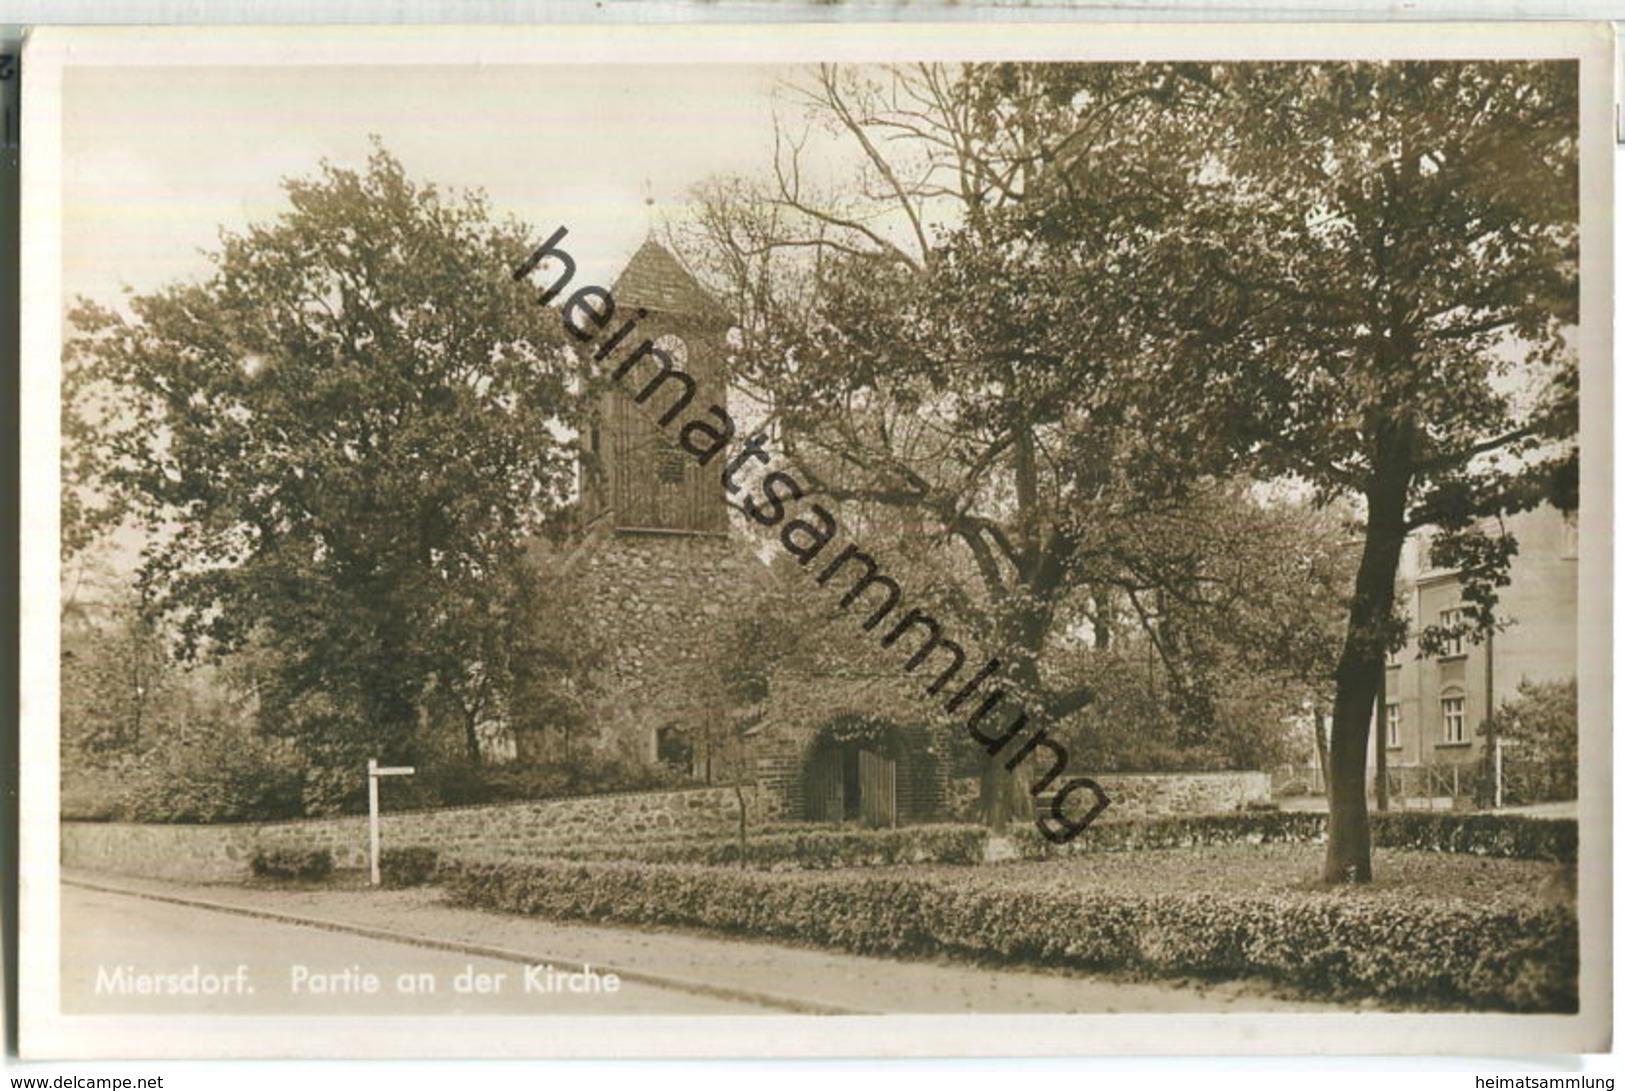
{"x":655,"y":280}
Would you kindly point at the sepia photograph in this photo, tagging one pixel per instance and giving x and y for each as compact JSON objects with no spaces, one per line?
{"x":1096,"y":539}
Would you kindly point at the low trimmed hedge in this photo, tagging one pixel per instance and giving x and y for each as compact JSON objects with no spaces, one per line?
{"x":1510,"y":835}
{"x":1332,"y":944}
{"x":1517,"y":837}
{"x":411,"y":865}
{"x":621,"y":842}
{"x":1175,"y":832}
{"x":806,"y":849}
{"x":291,"y":863}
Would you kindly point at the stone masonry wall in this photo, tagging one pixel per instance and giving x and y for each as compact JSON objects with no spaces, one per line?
{"x":1146,"y":795}
{"x":653,"y":600}
{"x":223,"y":852}
{"x":1151,"y":795}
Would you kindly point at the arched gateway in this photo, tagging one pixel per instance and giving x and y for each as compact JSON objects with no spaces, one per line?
{"x":869,"y":770}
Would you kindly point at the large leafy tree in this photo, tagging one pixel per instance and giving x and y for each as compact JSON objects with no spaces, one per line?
{"x":339,"y":440}
{"x":1063,"y":294}
{"x":1430,"y":282}
{"x":1368,"y":286}
{"x":910,"y":368}
{"x":114,"y":681}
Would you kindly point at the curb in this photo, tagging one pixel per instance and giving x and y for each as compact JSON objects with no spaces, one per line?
{"x":569,"y":965}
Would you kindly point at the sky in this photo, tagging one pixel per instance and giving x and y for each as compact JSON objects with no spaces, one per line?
{"x":155,"y":160}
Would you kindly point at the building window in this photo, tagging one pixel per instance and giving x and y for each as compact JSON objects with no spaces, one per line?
{"x":672,"y":747}
{"x":1456,"y":644}
{"x":1424,"y":551}
{"x":1393,"y":724}
{"x":1454,"y":709}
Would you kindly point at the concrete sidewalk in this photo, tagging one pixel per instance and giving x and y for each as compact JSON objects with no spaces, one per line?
{"x":775,"y":976}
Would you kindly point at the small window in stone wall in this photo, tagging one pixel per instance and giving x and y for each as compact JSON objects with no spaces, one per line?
{"x":673,"y":748}
{"x":669,"y":467}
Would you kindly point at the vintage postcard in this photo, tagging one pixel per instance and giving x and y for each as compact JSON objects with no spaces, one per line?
{"x":906,"y":540}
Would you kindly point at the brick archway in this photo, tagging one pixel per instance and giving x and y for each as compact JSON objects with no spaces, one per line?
{"x":870,"y":770}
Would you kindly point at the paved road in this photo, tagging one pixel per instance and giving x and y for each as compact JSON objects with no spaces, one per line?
{"x":134,"y":956}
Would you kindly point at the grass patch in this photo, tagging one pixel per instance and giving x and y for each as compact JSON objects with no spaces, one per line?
{"x":821,"y":846}
{"x":1289,"y":869}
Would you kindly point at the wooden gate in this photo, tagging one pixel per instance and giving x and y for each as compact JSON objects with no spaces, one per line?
{"x":877,"y":788}
{"x":826,"y":797}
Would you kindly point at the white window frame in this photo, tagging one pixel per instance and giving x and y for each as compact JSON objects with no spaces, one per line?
{"x":1391,"y":726}
{"x":1453,"y":710}
{"x":1424,"y":554}
{"x":1455,"y":645}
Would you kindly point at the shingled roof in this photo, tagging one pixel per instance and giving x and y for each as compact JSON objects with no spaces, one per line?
{"x":655,"y":280}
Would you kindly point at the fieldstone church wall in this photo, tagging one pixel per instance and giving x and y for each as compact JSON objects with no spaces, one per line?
{"x":223,"y":852}
{"x":1150,"y":795}
{"x":209,"y":853}
{"x":656,"y":601}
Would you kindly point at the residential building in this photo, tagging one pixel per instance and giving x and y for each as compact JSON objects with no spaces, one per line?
{"x":1435,"y":705}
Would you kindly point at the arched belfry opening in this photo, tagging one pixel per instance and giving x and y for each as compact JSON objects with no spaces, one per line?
{"x":635,"y":475}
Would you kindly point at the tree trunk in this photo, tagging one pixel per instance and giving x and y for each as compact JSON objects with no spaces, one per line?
{"x":1489,"y":779}
{"x":1004,"y":794}
{"x":1381,"y":718}
{"x":471,"y":735}
{"x":1359,"y":665}
{"x":1102,"y":621}
{"x":1321,"y":751}
{"x":1001,"y":793}
{"x":739,"y":796}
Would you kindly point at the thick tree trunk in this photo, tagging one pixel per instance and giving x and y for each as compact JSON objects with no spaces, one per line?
{"x":1359,"y":666}
{"x":1381,"y":717}
{"x":739,"y":797}
{"x":1322,"y":751}
{"x":1004,"y":792}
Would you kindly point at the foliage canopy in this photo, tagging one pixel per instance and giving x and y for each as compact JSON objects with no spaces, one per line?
{"x":341,"y":439}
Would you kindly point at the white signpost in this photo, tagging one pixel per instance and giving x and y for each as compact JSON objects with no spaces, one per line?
{"x":374,"y":771}
{"x":1500,"y":769}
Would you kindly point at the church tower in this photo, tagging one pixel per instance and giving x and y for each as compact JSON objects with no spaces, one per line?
{"x":634,"y":475}
{"x":664,"y":578}
{"x":655,"y":554}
